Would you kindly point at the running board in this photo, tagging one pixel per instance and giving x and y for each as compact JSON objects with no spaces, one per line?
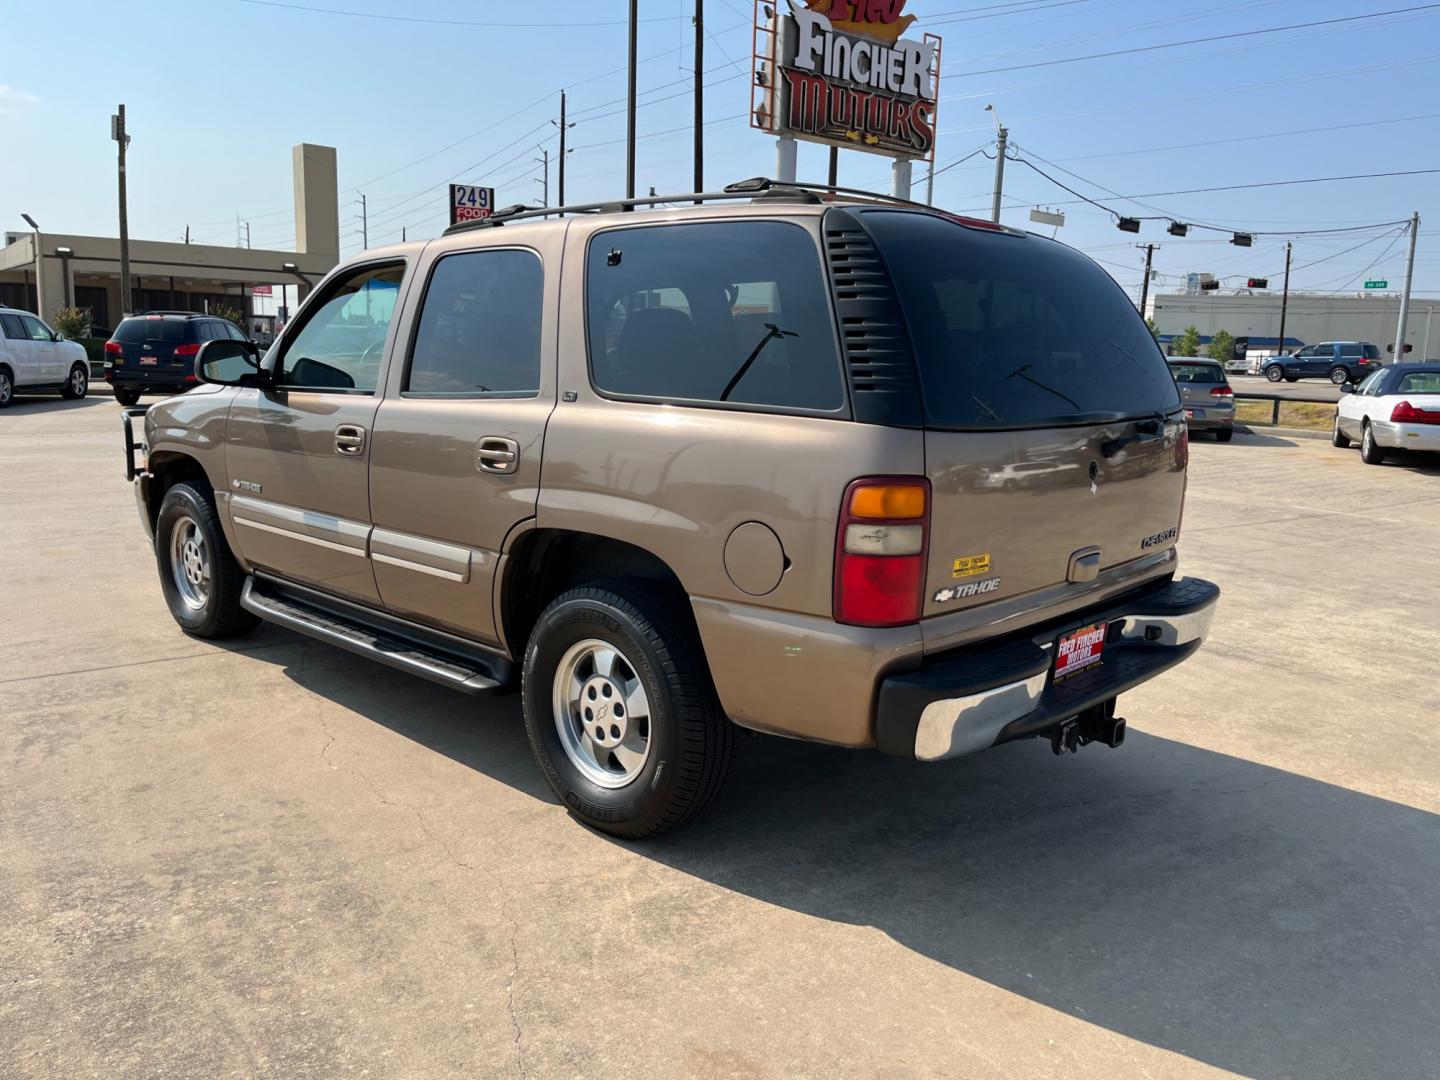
{"x":466,"y":674}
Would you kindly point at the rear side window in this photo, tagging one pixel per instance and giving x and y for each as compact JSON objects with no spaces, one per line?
{"x":153,"y":328}
{"x":1017,"y":331}
{"x":1351,"y":350}
{"x":14,"y":328}
{"x":479,"y":330}
{"x":731,"y":311}
{"x":1196,"y":373}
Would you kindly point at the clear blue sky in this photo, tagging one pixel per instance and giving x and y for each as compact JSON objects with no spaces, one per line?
{"x":218,"y":91}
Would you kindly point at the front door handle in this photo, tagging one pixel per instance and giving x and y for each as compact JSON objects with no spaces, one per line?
{"x":494,"y":454}
{"x":349,"y":440}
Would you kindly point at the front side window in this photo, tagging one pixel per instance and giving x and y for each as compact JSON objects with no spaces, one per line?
{"x":35,"y":330}
{"x":1372,"y":382}
{"x":1017,"y":331}
{"x":732,"y":312}
{"x":479,"y":328}
{"x":342,"y":341}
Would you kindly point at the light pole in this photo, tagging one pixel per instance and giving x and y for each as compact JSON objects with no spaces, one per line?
{"x":122,"y":139}
{"x":65,"y":253}
{"x":39,"y":270}
{"x":1002,"y":135}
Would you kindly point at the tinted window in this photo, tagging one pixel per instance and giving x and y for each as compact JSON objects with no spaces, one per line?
{"x":1351,"y":350}
{"x":722,"y":311}
{"x":234,"y":332}
{"x":1372,"y":352}
{"x":14,"y":328}
{"x":342,"y":341}
{"x":154,"y":328}
{"x":1017,"y":330}
{"x":1196,"y":373}
{"x":35,"y":330}
{"x":479,"y":327}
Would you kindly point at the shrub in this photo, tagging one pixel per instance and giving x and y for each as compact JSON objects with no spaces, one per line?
{"x":73,"y":322}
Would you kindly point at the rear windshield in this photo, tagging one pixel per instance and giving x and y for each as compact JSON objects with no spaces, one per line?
{"x":1421,"y":382}
{"x":1205,"y":373}
{"x":1017,"y":331}
{"x":169,"y":331}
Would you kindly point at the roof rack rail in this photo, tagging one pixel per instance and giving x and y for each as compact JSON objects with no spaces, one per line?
{"x":759,"y":187}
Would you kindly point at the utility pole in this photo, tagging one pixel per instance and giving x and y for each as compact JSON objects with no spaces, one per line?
{"x":402,"y":234}
{"x":834,"y":177}
{"x":1405,"y":296}
{"x":247,"y":234}
{"x":187,"y":234}
{"x":1284,"y":299}
{"x":630,"y":105}
{"x":930,"y":184}
{"x":544,"y":159}
{"x":364,"y":223}
{"x":560,"y":179}
{"x":117,"y":132}
{"x":1145,"y":283}
{"x":699,"y":96}
{"x":1002,"y":136}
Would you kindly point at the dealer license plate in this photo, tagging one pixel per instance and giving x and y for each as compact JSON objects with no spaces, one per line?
{"x":1079,"y":649}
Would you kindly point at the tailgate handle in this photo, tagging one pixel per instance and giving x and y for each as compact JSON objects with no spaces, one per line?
{"x":1084,"y":565}
{"x":1145,"y":431}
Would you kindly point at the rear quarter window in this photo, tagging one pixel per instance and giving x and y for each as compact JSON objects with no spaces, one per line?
{"x":731,"y":312}
{"x":1017,"y":330}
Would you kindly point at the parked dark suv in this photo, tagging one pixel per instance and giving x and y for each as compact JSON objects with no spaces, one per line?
{"x":1338,"y":361}
{"x":154,"y":352}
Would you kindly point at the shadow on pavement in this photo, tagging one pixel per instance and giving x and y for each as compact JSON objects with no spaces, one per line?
{"x":30,"y":405}
{"x":1254,"y":438}
{"x":1244,"y":916}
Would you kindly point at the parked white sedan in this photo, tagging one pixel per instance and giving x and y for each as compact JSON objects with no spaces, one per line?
{"x":1395,"y":408}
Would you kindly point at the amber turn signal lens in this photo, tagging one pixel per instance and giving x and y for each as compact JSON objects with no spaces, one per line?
{"x":893,"y":501}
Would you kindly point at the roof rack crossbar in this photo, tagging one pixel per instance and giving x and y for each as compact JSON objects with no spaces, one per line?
{"x":757,"y":187}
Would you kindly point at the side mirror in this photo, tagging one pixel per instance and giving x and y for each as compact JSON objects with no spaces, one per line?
{"x":1347,"y":388}
{"x":57,"y":336}
{"x":228,"y":363}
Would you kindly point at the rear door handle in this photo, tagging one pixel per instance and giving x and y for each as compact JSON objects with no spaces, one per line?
{"x":494,"y":454}
{"x":349,"y":440}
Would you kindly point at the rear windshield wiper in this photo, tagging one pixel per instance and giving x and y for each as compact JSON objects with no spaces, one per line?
{"x":1020,"y":373}
{"x":772,"y":333}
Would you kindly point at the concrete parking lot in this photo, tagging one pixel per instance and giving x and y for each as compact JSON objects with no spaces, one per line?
{"x":274,"y":859}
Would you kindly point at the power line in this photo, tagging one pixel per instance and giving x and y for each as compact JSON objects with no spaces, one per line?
{"x":455,"y":22}
{"x":1198,"y":41}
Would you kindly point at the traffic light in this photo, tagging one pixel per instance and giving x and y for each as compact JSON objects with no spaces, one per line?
{"x":1257,"y":283}
{"x":1209,"y":286}
{"x":1128,"y":224}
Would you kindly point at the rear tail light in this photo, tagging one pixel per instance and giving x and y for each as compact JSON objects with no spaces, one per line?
{"x":880,"y":549}
{"x":1405,"y":413}
{"x":1222,"y":391}
{"x":189,"y":349}
{"x":114,"y":348}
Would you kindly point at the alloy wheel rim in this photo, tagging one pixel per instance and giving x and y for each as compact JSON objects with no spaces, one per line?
{"x":4,"y":388}
{"x":602,"y":713}
{"x":78,"y":381}
{"x":190,"y":563}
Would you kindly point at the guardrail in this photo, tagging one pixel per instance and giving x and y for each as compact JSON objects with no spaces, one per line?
{"x":1277,"y":400}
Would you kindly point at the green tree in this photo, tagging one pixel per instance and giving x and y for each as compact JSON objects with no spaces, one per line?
{"x":1154,"y":328}
{"x":1222,"y":346}
{"x":1187,"y":344}
{"x":72,"y":322}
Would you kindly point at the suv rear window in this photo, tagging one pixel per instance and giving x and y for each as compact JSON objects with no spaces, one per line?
{"x":1196,"y":373}
{"x":727,"y":311}
{"x":146,"y":328}
{"x":1017,"y":331}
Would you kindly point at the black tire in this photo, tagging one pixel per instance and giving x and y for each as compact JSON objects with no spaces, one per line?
{"x":1274,"y":373}
{"x":7,"y":388}
{"x":1339,"y":376}
{"x":689,"y":739}
{"x":219,"y":613}
{"x":1371,"y":452}
{"x":1338,"y":437}
{"x":1292,"y":378}
{"x":1224,"y":434}
{"x":77,"y":383}
{"x":127,"y":395}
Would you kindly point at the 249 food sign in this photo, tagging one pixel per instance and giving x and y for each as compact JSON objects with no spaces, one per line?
{"x":470,"y":202}
{"x":840,"y":72}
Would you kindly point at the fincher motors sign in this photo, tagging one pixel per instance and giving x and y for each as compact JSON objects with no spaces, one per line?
{"x":846,"y":77}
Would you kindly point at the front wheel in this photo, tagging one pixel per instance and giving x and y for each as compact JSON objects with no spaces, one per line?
{"x":78,"y":384}
{"x":1275,"y":373}
{"x":199,"y":576}
{"x":7,"y":389}
{"x":1371,"y":452}
{"x":620,"y":711}
{"x":1339,"y":376}
{"x":127,"y":395}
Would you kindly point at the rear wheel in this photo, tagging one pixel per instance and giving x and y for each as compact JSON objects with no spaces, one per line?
{"x":1338,"y":437}
{"x":78,"y":383}
{"x":1339,"y":376}
{"x":620,"y":712}
{"x":1292,"y":378}
{"x":1274,"y":373}
{"x":127,"y":395}
{"x":1225,"y":434}
{"x":1371,"y":452}
{"x":198,"y":574}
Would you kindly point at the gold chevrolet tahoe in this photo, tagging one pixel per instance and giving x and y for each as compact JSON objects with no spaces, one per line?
{"x":791,"y":458}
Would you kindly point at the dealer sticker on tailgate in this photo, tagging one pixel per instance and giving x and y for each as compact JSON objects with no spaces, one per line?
{"x":1079,"y":649}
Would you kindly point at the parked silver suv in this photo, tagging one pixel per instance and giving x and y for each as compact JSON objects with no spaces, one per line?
{"x":803,"y":461}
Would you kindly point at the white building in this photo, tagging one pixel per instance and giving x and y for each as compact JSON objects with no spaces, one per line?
{"x":1309,"y":318}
